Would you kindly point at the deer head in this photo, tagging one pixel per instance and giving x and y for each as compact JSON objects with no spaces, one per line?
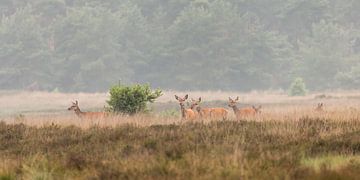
{"x":257,"y":109}
{"x":74,"y":106}
{"x":319,"y":107}
{"x":181,"y":100}
{"x":232,"y":103}
{"x":195,"y":103}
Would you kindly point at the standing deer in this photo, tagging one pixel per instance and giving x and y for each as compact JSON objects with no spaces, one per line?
{"x":319,"y":107}
{"x":91,"y":115}
{"x":243,"y":112}
{"x":203,"y":112}
{"x":209,"y":112}
{"x":185,"y":113}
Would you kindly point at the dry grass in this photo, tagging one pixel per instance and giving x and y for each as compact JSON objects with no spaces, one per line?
{"x":12,"y":103}
{"x":299,"y":149}
{"x":72,"y":119}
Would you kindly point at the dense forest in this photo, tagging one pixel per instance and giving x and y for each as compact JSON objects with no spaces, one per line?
{"x":87,"y":45}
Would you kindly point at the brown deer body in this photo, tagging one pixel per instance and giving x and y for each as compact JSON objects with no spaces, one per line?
{"x":208,"y":112}
{"x":88,"y":115}
{"x":187,"y":114}
{"x":219,"y":113}
{"x":243,"y":112}
{"x":204,"y":112}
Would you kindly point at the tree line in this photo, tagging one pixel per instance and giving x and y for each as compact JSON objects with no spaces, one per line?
{"x":88,"y":45}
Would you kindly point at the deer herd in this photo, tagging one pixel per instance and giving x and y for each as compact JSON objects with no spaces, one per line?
{"x":195,"y":111}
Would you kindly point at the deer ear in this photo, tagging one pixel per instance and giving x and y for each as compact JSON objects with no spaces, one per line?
{"x":199,"y":99}
{"x":186,"y":96}
{"x":237,"y":98}
{"x":176,"y":97}
{"x":77,"y":103}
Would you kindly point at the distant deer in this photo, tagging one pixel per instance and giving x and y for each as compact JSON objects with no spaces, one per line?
{"x":79,"y":113}
{"x":208,"y":112}
{"x":188,"y":114}
{"x":33,"y":87}
{"x":243,"y":112}
{"x":257,"y":109}
{"x":319,"y":107}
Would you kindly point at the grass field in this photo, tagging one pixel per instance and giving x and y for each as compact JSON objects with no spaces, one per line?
{"x":40,"y":139}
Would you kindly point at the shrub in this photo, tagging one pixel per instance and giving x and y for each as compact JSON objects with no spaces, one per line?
{"x":297,"y":88}
{"x":131,"y":99}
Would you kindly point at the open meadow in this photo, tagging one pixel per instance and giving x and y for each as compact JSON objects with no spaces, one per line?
{"x":41,"y":139}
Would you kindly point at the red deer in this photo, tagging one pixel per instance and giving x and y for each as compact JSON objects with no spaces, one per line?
{"x":203,"y":112}
{"x":257,"y":109}
{"x":187,"y":114}
{"x":319,"y":107}
{"x":243,"y":112}
{"x":208,"y":112}
{"x":90,"y":115}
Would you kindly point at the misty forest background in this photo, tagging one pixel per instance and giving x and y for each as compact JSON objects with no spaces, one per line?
{"x":88,"y":45}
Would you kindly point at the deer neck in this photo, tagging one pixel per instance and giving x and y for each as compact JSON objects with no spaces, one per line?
{"x":182,"y":108}
{"x":78,"y":112}
{"x":198,"y":109}
{"x":235,"y":108}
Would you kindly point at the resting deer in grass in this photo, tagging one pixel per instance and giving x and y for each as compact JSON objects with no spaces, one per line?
{"x":257,"y":109}
{"x":185,"y":113}
{"x":208,"y":112}
{"x":243,"y":112}
{"x":91,"y":115}
{"x":319,"y":107}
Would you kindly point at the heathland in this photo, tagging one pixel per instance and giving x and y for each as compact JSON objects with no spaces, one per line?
{"x":40,"y":139}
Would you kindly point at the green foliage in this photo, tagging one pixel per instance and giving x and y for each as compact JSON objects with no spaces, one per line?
{"x":6,"y":177}
{"x":350,"y":79}
{"x":131,"y":99}
{"x":298,"y":88}
{"x":87,"y":45}
{"x":23,"y":52}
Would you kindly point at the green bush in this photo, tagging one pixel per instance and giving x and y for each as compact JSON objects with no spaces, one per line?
{"x":131,"y":99}
{"x":297,"y":88}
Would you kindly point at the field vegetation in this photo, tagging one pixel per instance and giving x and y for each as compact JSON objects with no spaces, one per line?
{"x":288,"y":140}
{"x":317,"y":148}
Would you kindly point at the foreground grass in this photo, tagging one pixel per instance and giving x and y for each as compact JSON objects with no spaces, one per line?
{"x":303,"y":149}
